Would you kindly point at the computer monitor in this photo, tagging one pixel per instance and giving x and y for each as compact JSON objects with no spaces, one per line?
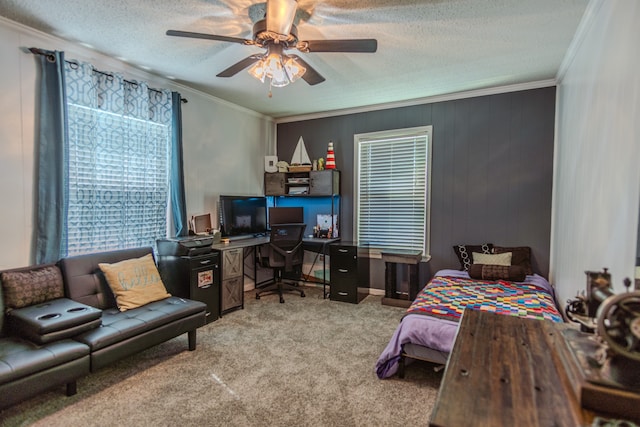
{"x":243,"y":215}
{"x":286,"y":215}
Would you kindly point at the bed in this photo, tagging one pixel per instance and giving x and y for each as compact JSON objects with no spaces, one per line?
{"x":428,"y":328}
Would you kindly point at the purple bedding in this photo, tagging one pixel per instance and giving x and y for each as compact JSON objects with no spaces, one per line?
{"x":436,"y":333}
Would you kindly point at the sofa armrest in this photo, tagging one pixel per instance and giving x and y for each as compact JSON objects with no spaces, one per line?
{"x":53,"y":320}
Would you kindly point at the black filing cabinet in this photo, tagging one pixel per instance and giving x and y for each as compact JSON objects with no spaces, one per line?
{"x":195,"y":276}
{"x":349,"y":267}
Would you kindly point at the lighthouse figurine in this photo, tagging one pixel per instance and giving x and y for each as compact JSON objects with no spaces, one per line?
{"x":331,"y":159}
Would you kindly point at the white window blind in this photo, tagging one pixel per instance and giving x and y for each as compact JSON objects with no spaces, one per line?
{"x":392,"y":188}
{"x":118,"y":181}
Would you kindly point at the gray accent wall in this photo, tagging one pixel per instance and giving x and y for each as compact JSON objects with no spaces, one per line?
{"x":492,"y":168}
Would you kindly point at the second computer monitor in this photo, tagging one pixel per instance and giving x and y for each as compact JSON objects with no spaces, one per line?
{"x":286,"y":215}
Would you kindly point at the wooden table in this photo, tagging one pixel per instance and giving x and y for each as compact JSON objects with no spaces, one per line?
{"x":507,"y":371}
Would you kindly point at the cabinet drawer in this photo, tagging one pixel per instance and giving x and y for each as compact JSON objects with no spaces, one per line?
{"x":344,"y":257}
{"x":345,"y":293}
{"x":344,"y":285}
{"x":232,"y":293}
{"x":232,"y":260}
{"x":343,"y":252}
{"x":350,"y":264}
{"x":339,"y":274}
{"x":203,"y":261}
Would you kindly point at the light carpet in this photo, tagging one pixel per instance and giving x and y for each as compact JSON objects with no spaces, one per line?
{"x":307,"y":362}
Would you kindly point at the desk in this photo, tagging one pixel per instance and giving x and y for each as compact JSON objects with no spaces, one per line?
{"x":507,"y":371}
{"x":232,"y":255}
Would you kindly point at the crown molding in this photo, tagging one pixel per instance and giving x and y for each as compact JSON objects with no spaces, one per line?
{"x":419,"y":101}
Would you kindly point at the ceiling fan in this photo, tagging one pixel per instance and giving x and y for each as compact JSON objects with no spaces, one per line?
{"x":277,"y":33}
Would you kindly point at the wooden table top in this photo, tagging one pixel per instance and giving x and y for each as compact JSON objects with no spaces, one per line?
{"x":507,"y":371}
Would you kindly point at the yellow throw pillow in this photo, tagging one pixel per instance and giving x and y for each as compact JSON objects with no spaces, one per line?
{"x":135,"y":282}
{"x":492,"y":259}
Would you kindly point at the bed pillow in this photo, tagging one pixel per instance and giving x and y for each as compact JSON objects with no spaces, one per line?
{"x":514,"y":273}
{"x":492,"y":259}
{"x":31,"y":286}
{"x":521,"y":255}
{"x":134,"y":282}
{"x":464,"y":253}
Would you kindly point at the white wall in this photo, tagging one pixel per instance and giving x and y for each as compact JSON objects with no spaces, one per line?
{"x":224,"y":145}
{"x":597,"y":171}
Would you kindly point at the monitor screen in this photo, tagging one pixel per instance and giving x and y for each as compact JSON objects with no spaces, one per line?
{"x":286,"y":215}
{"x":243,"y":215}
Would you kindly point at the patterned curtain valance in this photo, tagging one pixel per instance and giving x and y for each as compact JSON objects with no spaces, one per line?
{"x":91,"y":88}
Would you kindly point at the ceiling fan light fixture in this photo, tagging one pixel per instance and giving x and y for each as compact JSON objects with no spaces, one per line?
{"x":258,"y":70}
{"x":278,"y":67}
{"x":293,"y":69}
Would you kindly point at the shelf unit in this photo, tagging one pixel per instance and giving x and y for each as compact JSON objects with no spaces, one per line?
{"x":318,"y":192}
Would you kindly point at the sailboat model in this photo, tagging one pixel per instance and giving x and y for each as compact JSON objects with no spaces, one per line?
{"x":300,"y":161}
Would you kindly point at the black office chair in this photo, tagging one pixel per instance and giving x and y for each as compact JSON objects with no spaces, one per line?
{"x":283,"y":253}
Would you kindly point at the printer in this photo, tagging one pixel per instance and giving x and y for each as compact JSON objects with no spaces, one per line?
{"x":185,"y":246}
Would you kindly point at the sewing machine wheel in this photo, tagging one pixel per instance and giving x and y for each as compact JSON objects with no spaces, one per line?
{"x":619,"y":324}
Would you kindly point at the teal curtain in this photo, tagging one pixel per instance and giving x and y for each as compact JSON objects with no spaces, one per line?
{"x":51,"y":159}
{"x":178,"y":204}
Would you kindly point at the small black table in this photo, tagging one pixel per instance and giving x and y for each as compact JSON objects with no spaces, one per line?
{"x":391,"y":259}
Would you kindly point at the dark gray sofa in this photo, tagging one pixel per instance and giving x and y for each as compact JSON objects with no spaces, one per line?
{"x":124,"y":333}
{"x":33,"y":362}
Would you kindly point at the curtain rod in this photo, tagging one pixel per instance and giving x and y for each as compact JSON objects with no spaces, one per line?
{"x":52,"y":58}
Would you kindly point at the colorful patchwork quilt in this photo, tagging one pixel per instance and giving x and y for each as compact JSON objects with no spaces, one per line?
{"x":447,"y":297}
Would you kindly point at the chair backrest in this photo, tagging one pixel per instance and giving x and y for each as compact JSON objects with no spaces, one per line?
{"x":286,"y":245}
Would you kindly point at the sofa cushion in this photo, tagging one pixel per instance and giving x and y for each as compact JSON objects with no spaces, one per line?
{"x":19,"y":357}
{"x":135,"y":282}
{"x":53,"y":320}
{"x":120,"y":325}
{"x":28,"y":286}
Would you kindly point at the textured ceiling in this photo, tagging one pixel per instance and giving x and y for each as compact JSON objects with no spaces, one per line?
{"x":425,"y":48}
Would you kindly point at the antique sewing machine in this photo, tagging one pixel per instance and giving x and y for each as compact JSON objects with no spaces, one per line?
{"x":607,"y":347}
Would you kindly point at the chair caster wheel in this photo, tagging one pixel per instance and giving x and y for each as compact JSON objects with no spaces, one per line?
{"x":281,"y":300}
{"x":257,"y":296}
{"x":302,"y":294}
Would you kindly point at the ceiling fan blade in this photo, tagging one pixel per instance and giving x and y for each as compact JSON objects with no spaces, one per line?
{"x":347,"y":45}
{"x":239,"y":66}
{"x":280,"y":14}
{"x":311,"y":76}
{"x":208,"y":37}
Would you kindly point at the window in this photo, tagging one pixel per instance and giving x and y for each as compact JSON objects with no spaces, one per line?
{"x":118,"y":185}
{"x":392,"y":188}
{"x":117,"y":179}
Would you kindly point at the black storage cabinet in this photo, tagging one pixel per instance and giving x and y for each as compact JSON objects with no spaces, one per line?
{"x":349,"y":267}
{"x":194,"y":277}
